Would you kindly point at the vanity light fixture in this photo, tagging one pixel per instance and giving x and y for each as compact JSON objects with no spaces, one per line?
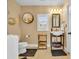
{"x":56,"y":10}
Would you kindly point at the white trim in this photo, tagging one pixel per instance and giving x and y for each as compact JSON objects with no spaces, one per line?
{"x":48,"y":45}
{"x":65,"y":49}
{"x":35,"y":45}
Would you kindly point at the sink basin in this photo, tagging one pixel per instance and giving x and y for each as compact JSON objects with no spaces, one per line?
{"x":57,"y":32}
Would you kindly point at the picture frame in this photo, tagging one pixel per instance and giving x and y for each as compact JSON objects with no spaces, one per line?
{"x":55,"y":20}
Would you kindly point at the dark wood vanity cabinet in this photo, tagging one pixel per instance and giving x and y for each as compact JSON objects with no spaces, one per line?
{"x":42,"y":41}
{"x":55,"y":43}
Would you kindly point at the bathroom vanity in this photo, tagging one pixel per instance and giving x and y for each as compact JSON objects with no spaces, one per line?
{"x":57,"y":40}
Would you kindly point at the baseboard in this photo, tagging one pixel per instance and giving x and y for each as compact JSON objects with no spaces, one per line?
{"x":48,"y":45}
{"x":35,"y":45}
{"x":65,"y":49}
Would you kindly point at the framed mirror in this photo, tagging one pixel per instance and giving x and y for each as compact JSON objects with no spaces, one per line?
{"x":28,"y":18}
{"x":55,"y":20}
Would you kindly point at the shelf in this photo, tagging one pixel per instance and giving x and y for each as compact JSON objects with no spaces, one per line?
{"x":54,"y":48}
{"x":42,"y":46}
{"x":42,"y":41}
{"x":58,"y":42}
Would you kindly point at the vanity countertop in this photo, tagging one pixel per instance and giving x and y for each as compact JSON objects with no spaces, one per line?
{"x":57,"y":32}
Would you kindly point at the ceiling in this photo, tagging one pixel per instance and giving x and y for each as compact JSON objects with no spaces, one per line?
{"x":40,"y":2}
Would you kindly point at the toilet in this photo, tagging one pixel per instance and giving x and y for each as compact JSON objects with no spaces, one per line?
{"x":22,"y":47}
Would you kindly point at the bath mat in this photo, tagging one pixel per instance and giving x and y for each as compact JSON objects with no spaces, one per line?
{"x":30,"y":52}
{"x":58,"y":53}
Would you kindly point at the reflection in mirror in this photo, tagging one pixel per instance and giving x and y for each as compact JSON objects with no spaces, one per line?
{"x":56,"y":20}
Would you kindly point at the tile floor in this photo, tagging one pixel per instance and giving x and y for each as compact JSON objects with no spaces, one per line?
{"x":46,"y":54}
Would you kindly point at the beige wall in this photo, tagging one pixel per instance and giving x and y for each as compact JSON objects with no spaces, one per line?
{"x":21,"y":28}
{"x":13,"y":11}
{"x":31,"y":29}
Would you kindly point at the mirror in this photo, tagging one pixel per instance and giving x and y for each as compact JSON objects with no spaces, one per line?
{"x":55,"y":20}
{"x":28,"y":18}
